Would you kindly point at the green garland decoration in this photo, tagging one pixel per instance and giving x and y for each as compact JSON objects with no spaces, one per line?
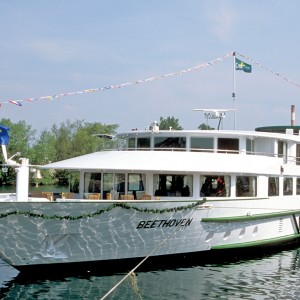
{"x":101,"y":211}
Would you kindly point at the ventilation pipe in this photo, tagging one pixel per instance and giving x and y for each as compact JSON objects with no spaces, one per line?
{"x":293,"y":110}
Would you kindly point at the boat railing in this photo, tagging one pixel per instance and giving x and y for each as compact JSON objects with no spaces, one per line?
{"x":7,"y":196}
{"x":286,"y":158}
{"x":292,"y":159}
{"x":224,"y":151}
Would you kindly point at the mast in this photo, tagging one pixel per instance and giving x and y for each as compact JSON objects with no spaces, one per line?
{"x":233,"y":92}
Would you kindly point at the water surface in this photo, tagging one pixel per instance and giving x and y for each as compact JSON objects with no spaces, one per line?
{"x":274,"y":276}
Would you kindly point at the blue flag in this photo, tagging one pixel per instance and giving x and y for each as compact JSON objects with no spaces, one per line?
{"x":4,"y":137}
{"x":240,"y":65}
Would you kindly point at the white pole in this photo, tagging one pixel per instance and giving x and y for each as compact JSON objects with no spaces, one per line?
{"x":22,"y":180}
{"x":4,"y":152}
{"x":233,"y":93}
{"x":293,"y":110}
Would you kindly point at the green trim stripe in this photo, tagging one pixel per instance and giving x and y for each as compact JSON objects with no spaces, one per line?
{"x":256,"y":243}
{"x":251,"y":217}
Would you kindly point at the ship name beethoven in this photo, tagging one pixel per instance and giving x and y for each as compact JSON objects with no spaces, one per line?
{"x":164,"y":223}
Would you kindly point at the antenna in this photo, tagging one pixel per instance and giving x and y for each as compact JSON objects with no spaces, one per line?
{"x":214,"y":113}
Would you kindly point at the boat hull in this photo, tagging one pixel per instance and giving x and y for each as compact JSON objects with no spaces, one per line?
{"x":55,"y":233}
{"x":153,"y":263}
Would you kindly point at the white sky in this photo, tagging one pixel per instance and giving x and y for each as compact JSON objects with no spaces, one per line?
{"x":54,"y":46}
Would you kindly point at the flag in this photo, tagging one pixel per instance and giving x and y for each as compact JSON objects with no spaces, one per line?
{"x":15,"y":102}
{"x":240,"y":65}
{"x":4,"y":137}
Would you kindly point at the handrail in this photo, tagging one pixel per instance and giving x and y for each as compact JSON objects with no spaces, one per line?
{"x":216,"y":150}
{"x":286,"y":158}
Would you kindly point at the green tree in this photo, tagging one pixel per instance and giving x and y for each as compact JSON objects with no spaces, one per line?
{"x":21,"y":138}
{"x":78,"y":138}
{"x":43,"y":152}
{"x":204,"y":126}
{"x":68,"y":140}
{"x":85,"y":140}
{"x":166,"y":123}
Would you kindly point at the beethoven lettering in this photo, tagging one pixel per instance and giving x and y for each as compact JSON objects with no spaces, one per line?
{"x":164,"y":223}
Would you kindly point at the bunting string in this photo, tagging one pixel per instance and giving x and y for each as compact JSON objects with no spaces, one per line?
{"x":20,"y":102}
{"x":269,"y":70}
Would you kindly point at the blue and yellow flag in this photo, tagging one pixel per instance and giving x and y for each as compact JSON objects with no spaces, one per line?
{"x":240,"y":65}
{"x":4,"y":137}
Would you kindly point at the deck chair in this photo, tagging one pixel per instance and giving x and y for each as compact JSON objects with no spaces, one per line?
{"x":48,"y":195}
{"x":95,"y":196}
{"x":146,"y":197}
{"x":36,"y":195}
{"x":67,"y":195}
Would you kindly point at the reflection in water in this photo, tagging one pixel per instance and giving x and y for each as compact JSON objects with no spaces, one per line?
{"x":7,"y":273}
{"x":271,"y":277}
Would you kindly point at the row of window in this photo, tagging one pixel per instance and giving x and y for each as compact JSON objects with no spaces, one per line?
{"x":113,"y":183}
{"x":200,"y":143}
{"x":204,"y":144}
{"x":288,"y":186}
{"x":178,"y":185}
{"x":119,"y":184}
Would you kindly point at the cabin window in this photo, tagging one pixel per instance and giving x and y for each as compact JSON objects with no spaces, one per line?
{"x":215,"y":185}
{"x":113,"y":183}
{"x":298,"y":154}
{"x":131,"y":143}
{"x":143,"y":143}
{"x":246,"y":186}
{"x":136,"y":184}
{"x":119,"y":183}
{"x":287,"y":186}
{"x":249,"y":146}
{"x":108,"y":184}
{"x":298,"y":186}
{"x":202,"y":144}
{"x":282,"y":150}
{"x":173,"y":185}
{"x":227,"y":145}
{"x":273,"y":186}
{"x":170,"y":142}
{"x":92,"y":182}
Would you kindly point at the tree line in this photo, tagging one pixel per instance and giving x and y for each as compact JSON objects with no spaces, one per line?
{"x":69,"y":139}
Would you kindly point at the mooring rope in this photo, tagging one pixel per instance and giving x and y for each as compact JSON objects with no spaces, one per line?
{"x":142,"y":261}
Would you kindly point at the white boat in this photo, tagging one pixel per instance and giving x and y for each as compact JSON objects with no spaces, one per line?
{"x":163,"y":193}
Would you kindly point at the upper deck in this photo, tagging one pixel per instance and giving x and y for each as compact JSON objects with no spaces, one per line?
{"x":284,"y":143}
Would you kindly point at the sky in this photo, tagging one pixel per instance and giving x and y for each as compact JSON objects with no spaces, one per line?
{"x":52,"y":47}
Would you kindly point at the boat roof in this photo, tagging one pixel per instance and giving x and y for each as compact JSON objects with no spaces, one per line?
{"x":166,"y":161}
{"x":279,"y":129}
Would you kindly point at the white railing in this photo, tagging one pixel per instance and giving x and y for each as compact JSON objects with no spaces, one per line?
{"x":286,"y":158}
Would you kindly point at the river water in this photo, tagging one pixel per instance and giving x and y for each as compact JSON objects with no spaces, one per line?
{"x":272,"y":276}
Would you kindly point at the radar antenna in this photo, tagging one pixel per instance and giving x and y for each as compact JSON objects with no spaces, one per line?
{"x":214,"y":113}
